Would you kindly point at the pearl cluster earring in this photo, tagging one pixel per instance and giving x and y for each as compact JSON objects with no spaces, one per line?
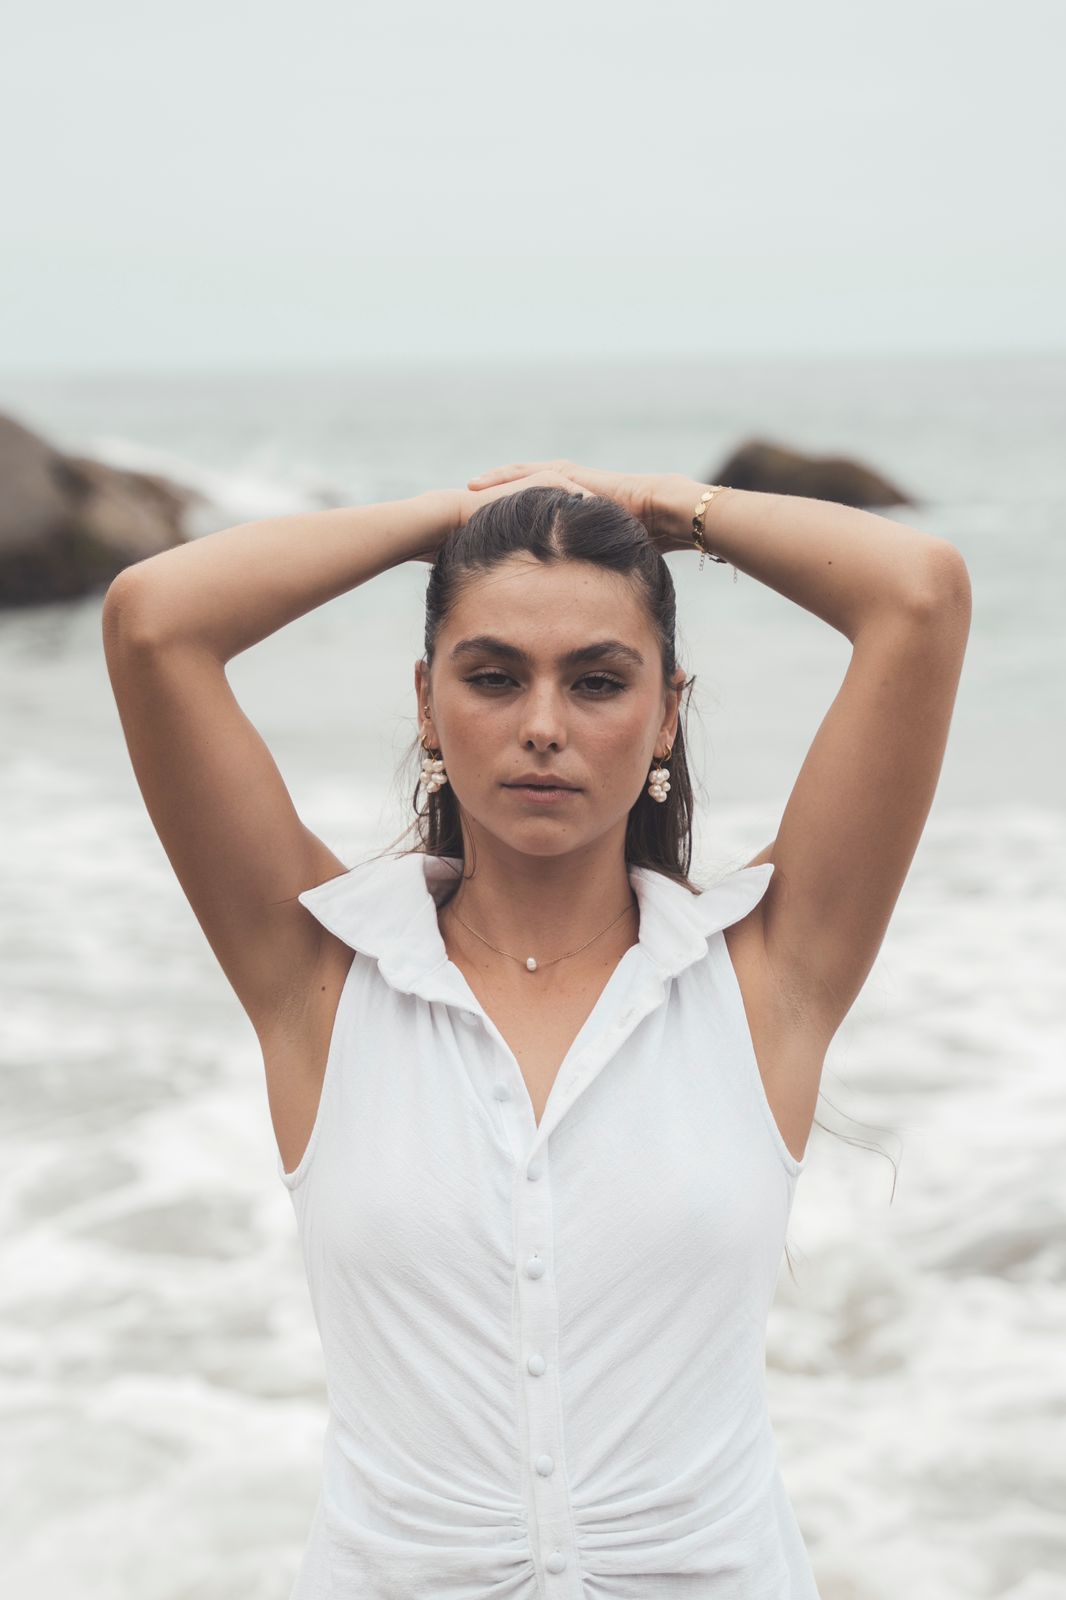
{"x":658,"y":778}
{"x":434,"y":776}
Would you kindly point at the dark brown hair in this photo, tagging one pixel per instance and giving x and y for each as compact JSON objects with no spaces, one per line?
{"x":555,"y":525}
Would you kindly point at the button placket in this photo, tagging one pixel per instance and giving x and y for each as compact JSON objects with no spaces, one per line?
{"x":544,"y":1475}
{"x":545,"y":1484}
{"x":487,"y":1079}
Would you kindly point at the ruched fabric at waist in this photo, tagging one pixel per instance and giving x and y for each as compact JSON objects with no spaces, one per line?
{"x":389,"y":1543}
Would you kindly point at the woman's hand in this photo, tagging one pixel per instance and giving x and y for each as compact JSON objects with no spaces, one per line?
{"x":512,"y":480}
{"x":634,"y":491}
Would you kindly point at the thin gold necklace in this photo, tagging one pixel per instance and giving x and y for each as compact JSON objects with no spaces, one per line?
{"x":530,"y":962}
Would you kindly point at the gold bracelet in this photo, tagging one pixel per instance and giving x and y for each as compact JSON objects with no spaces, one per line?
{"x":697,"y":524}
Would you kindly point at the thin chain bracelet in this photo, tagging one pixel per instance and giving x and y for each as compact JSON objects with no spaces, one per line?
{"x":697,"y":524}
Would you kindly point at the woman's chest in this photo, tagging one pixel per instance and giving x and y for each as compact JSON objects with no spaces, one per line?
{"x":540,"y":1045}
{"x":430,"y":1179}
{"x":538,"y":1023}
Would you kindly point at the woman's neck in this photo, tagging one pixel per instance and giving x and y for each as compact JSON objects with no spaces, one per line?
{"x":547,"y":917}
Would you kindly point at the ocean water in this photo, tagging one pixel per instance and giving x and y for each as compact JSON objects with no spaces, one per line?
{"x":161,"y":1392}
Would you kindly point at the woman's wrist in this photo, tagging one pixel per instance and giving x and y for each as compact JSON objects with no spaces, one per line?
{"x":446,"y":502}
{"x":671,"y":506}
{"x":440,"y":518}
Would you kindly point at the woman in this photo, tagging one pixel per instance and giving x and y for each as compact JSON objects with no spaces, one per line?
{"x":540,"y":1105}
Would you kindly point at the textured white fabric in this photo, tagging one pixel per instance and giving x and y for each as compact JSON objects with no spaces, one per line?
{"x":544,"y":1347}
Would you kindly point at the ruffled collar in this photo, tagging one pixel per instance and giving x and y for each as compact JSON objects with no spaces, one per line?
{"x":387,"y":908}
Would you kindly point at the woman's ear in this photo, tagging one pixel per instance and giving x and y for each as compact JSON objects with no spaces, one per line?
{"x":673,"y":702}
{"x":419,"y":691}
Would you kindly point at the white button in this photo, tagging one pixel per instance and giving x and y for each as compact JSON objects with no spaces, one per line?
{"x":533,"y":1171}
{"x":536,"y":1363}
{"x":534,"y":1267}
{"x":501,"y":1091}
{"x":545,"y":1466}
{"x":556,"y":1561}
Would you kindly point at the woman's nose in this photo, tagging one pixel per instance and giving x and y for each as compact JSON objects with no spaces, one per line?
{"x":542,"y":719}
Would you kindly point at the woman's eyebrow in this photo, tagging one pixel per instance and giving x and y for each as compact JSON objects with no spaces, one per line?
{"x":488,"y":644}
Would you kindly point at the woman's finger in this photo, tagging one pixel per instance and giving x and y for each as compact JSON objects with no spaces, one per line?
{"x":485,"y":480}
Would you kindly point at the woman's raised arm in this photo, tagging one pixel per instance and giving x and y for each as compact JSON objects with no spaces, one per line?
{"x":212,"y":789}
{"x":228,"y":590}
{"x":859,"y":804}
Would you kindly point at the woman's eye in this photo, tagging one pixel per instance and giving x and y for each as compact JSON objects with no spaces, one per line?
{"x":603,"y":681}
{"x":483,"y":677}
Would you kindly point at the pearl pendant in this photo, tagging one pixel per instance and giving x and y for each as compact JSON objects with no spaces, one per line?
{"x":531,"y":963}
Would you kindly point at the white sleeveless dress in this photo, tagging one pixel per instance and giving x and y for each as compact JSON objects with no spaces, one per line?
{"x":544,"y":1347}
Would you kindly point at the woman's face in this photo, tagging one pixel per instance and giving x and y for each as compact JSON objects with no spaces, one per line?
{"x":504,"y":701}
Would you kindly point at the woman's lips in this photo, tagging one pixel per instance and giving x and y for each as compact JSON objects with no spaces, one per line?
{"x":538,"y":795}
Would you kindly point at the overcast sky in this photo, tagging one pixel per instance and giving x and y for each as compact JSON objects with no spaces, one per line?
{"x":259,"y":186}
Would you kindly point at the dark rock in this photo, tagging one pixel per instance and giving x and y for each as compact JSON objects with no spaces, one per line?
{"x":68,"y":524}
{"x":772,"y":469}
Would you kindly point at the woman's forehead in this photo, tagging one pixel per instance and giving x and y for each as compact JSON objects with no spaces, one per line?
{"x":560,"y":596}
